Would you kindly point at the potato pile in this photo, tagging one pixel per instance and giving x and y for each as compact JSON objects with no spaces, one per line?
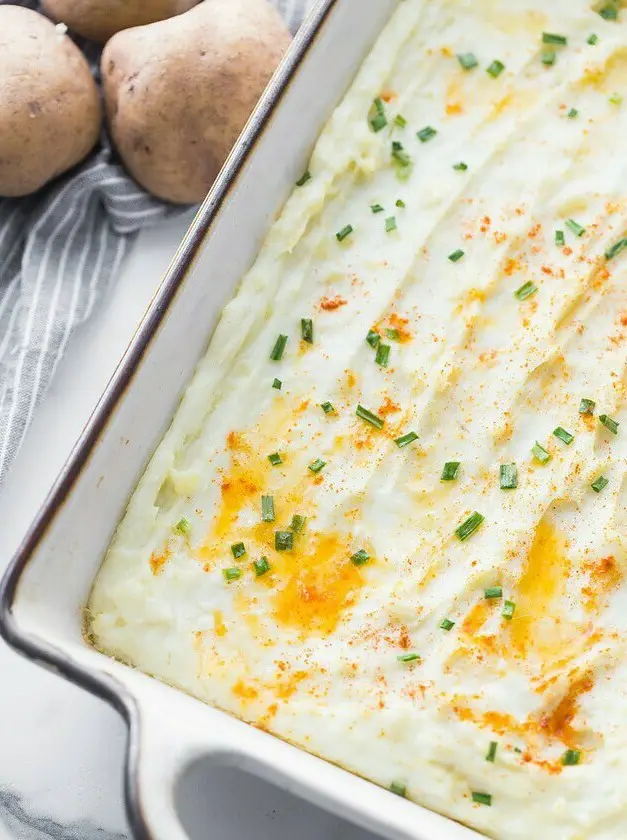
{"x":180,"y":79}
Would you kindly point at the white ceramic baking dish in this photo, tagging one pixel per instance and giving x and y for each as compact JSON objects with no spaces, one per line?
{"x":43,"y":593}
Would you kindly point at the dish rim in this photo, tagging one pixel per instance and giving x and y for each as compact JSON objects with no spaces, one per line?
{"x":34,"y":648}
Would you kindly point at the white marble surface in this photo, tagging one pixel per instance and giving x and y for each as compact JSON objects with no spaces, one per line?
{"x":61,"y":750}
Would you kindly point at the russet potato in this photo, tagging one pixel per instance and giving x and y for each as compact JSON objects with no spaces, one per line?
{"x":100,"y":19}
{"x":50,"y":111}
{"x":179,"y":92}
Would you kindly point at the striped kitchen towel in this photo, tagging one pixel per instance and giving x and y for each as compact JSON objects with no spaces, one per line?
{"x":59,"y":251}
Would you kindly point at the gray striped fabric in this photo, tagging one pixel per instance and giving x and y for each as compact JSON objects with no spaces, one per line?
{"x":59,"y":250}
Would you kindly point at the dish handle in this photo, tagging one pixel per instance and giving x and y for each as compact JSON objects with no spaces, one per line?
{"x":160,"y":750}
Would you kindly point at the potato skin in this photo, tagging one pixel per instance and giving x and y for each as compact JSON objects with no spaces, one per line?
{"x":178,"y":93}
{"x":50,"y":112}
{"x":98,"y":20}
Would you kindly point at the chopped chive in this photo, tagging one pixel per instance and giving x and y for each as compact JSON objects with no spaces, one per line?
{"x":616,"y":99}
{"x":279,"y":346}
{"x":610,"y":424}
{"x":495,"y":69}
{"x":509,"y":608}
{"x":306,"y":176}
{"x":575,"y":227}
{"x":373,"y":338}
{"x":400,"y":202}
{"x":482,"y":798}
{"x":267,"y":508}
{"x":297,"y":525}
{"x":283,"y":540}
{"x":599,"y":484}
{"x":393,"y":334}
{"x":616,"y":249}
{"x":447,"y":624}
{"x":469,"y":526}
{"x":526,"y":290}
{"x":593,"y":39}
{"x":306,"y":330}
{"x":405,"y":440}
{"x":238,"y":550}
{"x":369,"y":417}
{"x":572,"y":114}
{"x":398,"y":788}
{"x":450,"y":471}
{"x":461,"y":166}
{"x":467,"y":60}
{"x":327,"y":407}
{"x":376,"y":116}
{"x":408,"y":657}
{"x":551,"y":38}
{"x":342,"y":234}
{"x":317,"y":466}
{"x":390,"y":224}
{"x":548,"y":58}
{"x":540,"y":453}
{"x":276,"y":384}
{"x":275,"y":459}
{"x":508,"y":476}
{"x":587,"y":406}
{"x":383,"y":355}
{"x":493,"y":592}
{"x":563,"y":435}
{"x":231,"y":574}
{"x":400,"y":121}
{"x":376,"y":208}
{"x":261,"y":566}
{"x":491,"y":755}
{"x":360,"y":557}
{"x":183,"y":526}
{"x":609,"y":12}
{"x":571,"y":758}
{"x":427,"y":133}
{"x":400,"y":155}
{"x":560,"y":238}
{"x":456,"y":255}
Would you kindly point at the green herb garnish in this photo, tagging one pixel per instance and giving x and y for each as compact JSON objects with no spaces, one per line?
{"x":575,"y":227}
{"x":369,"y":417}
{"x":526,"y":290}
{"x":616,"y":99}
{"x":592,"y":40}
{"x":559,"y":238}
{"x":408,"y":657}
{"x":393,"y":334}
{"x":599,"y":484}
{"x":610,"y":424}
{"x":609,"y":12}
{"x":400,"y":203}
{"x":491,"y":755}
{"x":495,"y":69}
{"x":551,"y":38}
{"x":306,"y":176}
{"x":398,"y":788}
{"x":238,"y":550}
{"x":183,"y":526}
{"x":376,"y":116}
{"x":447,"y":624}
{"x":405,"y":440}
{"x":509,"y":608}
{"x":342,"y":234}
{"x":279,"y":346}
{"x":508,"y":476}
{"x":548,"y":58}
{"x":276,"y":384}
{"x":467,"y":60}
{"x":482,"y":798}
{"x":360,"y":557}
{"x":461,"y":166}
{"x":376,"y":208}
{"x":390,"y":224}
{"x":383,"y":355}
{"x":317,"y":466}
{"x":587,"y":406}
{"x":298,"y":523}
{"x":275,"y":459}
{"x":400,"y":121}
{"x":261,"y":566}
{"x":231,"y":574}
{"x":572,"y":114}
{"x":493,"y":592}
{"x":327,"y":407}
{"x":306,"y":330}
{"x":469,"y":526}
{"x":450,"y":471}
{"x":563,"y":435}
{"x":399,"y":155}
{"x":425,"y":134}
{"x":616,"y":249}
{"x":373,"y":338}
{"x":267,"y":508}
{"x":571,"y":758}
{"x":540,"y":453}
{"x":456,"y":255}
{"x":283,"y":540}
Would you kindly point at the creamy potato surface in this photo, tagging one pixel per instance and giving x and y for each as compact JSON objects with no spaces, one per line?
{"x":388,"y":522}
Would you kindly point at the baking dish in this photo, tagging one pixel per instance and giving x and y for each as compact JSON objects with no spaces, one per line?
{"x":43,"y":593}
